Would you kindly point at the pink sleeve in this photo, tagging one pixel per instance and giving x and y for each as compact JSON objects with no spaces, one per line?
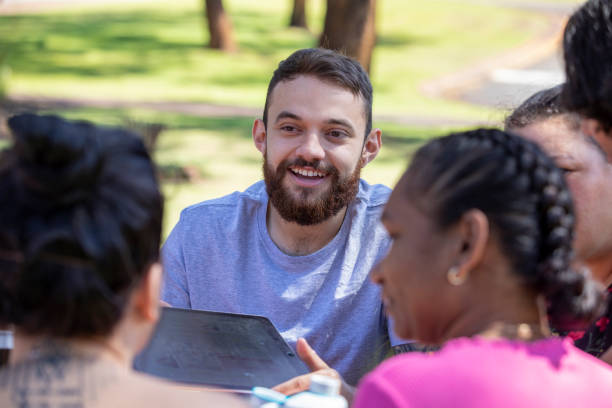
{"x":375,"y":391}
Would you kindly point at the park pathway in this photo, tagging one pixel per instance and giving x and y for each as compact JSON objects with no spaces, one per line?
{"x":512,"y":78}
{"x":18,"y":103}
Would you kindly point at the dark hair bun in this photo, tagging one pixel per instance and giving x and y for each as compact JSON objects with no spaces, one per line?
{"x":80,"y":220}
{"x":58,"y":161}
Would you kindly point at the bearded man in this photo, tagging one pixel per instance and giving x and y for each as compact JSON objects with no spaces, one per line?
{"x":298,"y":247}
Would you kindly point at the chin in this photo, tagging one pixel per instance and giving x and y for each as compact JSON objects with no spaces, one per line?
{"x":402,"y":332}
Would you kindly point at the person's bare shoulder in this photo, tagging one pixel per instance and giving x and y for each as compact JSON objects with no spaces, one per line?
{"x":95,"y":386}
{"x":149,"y":392}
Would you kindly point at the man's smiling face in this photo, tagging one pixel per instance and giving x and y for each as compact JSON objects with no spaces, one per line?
{"x":313,"y":148}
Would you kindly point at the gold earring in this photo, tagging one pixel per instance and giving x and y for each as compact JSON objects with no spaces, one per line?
{"x":454,"y":278}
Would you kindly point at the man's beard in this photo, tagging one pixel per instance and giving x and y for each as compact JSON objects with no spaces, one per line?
{"x":303,"y":209}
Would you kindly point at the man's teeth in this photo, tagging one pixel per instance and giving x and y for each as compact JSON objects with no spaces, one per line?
{"x":308,"y":173}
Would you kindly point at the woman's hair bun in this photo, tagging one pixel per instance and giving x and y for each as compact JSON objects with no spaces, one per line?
{"x":80,"y":222}
{"x":53,"y":156}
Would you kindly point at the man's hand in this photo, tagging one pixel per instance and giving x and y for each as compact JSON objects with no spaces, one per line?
{"x":316,"y":366}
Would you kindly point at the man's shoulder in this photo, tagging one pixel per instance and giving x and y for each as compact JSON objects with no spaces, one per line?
{"x":374,"y":196}
{"x":230,"y":204}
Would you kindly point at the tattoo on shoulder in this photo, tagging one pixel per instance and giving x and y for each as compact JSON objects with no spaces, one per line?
{"x":52,"y":377}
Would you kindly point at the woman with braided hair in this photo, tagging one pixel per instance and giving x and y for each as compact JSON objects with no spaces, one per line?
{"x":482,"y":226}
{"x":80,"y":226}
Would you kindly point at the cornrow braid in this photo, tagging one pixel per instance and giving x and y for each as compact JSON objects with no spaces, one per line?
{"x":528,"y":204}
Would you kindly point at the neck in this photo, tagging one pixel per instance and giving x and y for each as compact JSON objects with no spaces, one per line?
{"x":522,"y":316}
{"x":98,"y":349}
{"x":295,"y":239}
{"x":520,"y":331}
{"x":601,"y":270}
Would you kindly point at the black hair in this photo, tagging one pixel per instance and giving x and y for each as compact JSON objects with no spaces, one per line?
{"x":529,"y":207}
{"x":80,"y":223}
{"x":329,"y":66}
{"x":540,"y":106}
{"x":587,"y":49}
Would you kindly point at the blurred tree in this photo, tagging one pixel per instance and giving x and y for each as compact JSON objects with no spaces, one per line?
{"x":298,"y":15}
{"x":219,"y":26}
{"x":350,"y":28}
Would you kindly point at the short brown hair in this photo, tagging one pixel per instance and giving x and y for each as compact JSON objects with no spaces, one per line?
{"x":328,"y":66}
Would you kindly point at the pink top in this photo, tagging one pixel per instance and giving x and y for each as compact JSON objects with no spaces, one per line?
{"x":490,"y":373}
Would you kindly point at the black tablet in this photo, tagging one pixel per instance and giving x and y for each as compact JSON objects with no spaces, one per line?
{"x":222,"y":350}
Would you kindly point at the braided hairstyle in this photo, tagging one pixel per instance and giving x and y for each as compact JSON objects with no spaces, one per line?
{"x":80,"y":222}
{"x":529,"y":207}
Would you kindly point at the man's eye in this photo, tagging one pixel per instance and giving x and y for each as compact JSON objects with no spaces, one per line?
{"x":288,"y":128}
{"x":337,"y":133}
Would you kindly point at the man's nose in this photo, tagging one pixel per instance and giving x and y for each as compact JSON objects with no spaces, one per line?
{"x":311,"y":148}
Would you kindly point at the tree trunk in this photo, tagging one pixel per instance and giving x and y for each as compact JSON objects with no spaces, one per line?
{"x":298,"y":16}
{"x":219,"y":27}
{"x":350,"y":29}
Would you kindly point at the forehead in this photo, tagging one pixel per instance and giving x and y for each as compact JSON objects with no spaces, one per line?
{"x":311,"y":98}
{"x":557,"y":137}
{"x":400,"y":210}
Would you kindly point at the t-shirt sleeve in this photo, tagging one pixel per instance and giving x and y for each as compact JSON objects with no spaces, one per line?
{"x":376,"y":391}
{"x":174,"y":288}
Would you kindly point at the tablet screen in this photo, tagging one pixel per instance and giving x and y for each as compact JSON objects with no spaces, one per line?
{"x":223,"y":350}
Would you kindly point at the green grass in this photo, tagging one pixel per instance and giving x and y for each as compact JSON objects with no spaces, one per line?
{"x":154,"y":51}
{"x":222,"y":153}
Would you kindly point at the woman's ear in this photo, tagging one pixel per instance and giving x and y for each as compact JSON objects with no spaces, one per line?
{"x":146,"y":296}
{"x":473,"y":238}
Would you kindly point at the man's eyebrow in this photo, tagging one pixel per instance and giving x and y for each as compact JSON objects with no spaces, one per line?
{"x":287,"y":115}
{"x":341,"y":122}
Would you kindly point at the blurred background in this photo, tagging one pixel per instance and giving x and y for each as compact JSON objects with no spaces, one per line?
{"x":191,"y":75}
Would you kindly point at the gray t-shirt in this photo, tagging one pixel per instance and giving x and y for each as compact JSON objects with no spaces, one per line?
{"x":220,"y":257}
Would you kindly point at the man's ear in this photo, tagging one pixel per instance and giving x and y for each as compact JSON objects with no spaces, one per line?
{"x":371,"y":147}
{"x":146,"y":295}
{"x":592,"y":127}
{"x":473,"y":238}
{"x":259,"y":135}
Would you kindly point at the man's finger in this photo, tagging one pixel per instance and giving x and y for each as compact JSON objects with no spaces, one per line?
{"x":294,"y":385}
{"x":309,"y":356}
{"x":302,"y":383}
